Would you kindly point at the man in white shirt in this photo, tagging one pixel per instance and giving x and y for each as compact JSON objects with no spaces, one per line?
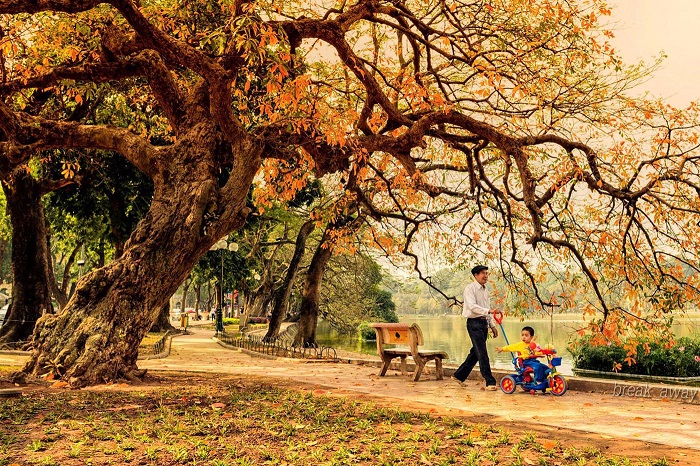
{"x":477,"y":309}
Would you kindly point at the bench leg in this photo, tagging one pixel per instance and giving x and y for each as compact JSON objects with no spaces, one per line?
{"x":385,"y":366}
{"x":404,"y":367}
{"x":420,"y":364}
{"x":438,"y":368}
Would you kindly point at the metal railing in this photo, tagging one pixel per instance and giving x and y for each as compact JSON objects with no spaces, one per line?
{"x":16,"y":346}
{"x":158,"y":347}
{"x":288,"y":334}
{"x":280,"y":346}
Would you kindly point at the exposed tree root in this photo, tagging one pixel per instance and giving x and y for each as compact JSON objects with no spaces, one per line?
{"x":18,"y":377}
{"x":135,"y":376}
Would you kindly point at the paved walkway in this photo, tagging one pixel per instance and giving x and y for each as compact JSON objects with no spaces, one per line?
{"x":600,"y":416}
{"x":636,"y":418}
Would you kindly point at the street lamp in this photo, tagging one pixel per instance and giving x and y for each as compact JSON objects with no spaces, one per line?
{"x":81,"y":261}
{"x":222,"y":245}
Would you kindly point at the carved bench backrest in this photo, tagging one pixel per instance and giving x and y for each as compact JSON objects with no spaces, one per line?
{"x":398,"y":334}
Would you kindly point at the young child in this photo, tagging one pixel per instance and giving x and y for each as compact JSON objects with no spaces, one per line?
{"x":527,"y":349}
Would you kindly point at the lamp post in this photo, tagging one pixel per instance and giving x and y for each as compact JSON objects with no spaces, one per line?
{"x":81,"y":261}
{"x":222,"y":245}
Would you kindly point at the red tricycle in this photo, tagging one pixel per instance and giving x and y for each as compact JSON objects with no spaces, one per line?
{"x":555,"y":383}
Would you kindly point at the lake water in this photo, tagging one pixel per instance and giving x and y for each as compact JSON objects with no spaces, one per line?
{"x":449,"y":334}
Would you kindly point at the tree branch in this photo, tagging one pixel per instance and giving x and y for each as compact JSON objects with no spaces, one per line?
{"x":27,"y":134}
{"x":34,"y":6}
{"x":96,"y":73}
{"x":177,"y":53}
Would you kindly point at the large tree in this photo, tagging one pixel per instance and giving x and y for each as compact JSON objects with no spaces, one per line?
{"x":31,"y":293}
{"x":281,"y":294}
{"x":498,"y":110}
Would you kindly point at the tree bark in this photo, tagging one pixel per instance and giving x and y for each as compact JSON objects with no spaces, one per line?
{"x":96,"y":337}
{"x":281,"y":294}
{"x":210,"y":301}
{"x":185,"y":289}
{"x":31,"y":295}
{"x":308,"y":314}
{"x":162,"y":323}
{"x":61,"y":293}
{"x":257,"y":301}
{"x":197,"y":299}
{"x":3,"y":247}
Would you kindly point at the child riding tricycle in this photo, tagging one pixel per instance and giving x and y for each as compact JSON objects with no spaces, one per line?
{"x":531,"y":374}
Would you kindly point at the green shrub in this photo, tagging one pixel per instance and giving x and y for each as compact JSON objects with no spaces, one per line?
{"x":366,"y":332}
{"x":677,"y":361}
{"x":597,"y":358}
{"x":231,"y":320}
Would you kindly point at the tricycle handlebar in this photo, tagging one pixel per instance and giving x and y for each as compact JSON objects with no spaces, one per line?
{"x":544,"y":352}
{"x":498,"y":317}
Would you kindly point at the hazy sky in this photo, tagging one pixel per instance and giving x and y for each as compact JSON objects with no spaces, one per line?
{"x":645,"y":28}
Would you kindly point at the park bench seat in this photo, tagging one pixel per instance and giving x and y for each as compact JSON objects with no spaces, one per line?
{"x":410,"y":337}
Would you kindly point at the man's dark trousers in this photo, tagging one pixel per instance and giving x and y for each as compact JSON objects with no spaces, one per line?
{"x":478,"y":330}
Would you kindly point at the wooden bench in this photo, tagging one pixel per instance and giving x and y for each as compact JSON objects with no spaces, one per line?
{"x":411,"y":336}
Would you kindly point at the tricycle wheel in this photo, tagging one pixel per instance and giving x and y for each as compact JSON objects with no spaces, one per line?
{"x":557,"y":385}
{"x":508,"y":384}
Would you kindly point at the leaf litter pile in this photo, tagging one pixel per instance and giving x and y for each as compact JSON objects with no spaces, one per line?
{"x":219,"y":420}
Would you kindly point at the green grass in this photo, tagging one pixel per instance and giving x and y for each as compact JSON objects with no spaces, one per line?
{"x":219,"y":420}
{"x":152,"y":338}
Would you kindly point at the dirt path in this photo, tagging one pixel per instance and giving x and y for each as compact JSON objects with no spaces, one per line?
{"x":618,"y":425}
{"x":637,"y":427}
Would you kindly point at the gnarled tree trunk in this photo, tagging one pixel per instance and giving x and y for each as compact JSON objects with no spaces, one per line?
{"x":31,"y":295}
{"x":308,"y":314}
{"x":62,"y":292}
{"x":96,"y":337}
{"x":257,"y":301}
{"x":281,"y":294}
{"x":185,"y":290}
{"x":197,"y":299}
{"x":162,"y":323}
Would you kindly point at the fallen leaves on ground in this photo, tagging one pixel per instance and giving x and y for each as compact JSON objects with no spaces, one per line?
{"x":124,"y":408}
{"x":231,"y":420}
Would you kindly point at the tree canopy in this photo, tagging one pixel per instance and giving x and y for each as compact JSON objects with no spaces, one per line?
{"x":495,"y":131}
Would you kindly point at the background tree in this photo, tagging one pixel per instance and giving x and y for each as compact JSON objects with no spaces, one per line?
{"x":223,"y":264}
{"x":310,"y":195}
{"x":281,"y":294}
{"x":102,"y":209}
{"x":111,"y":198}
{"x":368,"y":301}
{"x":31,"y":294}
{"x":309,"y":309}
{"x":5,"y":241}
